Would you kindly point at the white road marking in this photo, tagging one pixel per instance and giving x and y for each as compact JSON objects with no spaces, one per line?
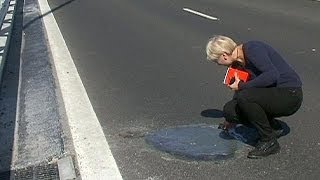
{"x":94,"y":157}
{"x":200,"y":14}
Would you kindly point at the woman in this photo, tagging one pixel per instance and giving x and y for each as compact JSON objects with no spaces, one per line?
{"x":273,"y":90}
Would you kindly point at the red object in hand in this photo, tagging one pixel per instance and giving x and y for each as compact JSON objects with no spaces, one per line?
{"x":243,"y":75}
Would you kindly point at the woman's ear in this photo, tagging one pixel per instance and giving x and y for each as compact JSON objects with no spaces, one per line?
{"x":225,"y":56}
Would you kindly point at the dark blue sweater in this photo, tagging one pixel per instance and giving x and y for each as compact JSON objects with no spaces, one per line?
{"x":267,"y":68}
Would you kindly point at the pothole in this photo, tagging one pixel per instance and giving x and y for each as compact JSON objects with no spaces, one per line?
{"x":202,"y":142}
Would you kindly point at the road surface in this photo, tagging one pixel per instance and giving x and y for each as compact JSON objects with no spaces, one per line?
{"x":144,"y":67}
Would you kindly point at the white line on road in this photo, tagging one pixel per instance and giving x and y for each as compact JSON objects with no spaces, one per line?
{"x":200,"y":14}
{"x":94,"y":156}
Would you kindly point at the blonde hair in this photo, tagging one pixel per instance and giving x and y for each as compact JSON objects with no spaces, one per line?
{"x":218,"y":45}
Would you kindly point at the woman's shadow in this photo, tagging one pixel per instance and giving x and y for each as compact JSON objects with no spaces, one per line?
{"x":212,"y":113}
{"x":245,"y":133}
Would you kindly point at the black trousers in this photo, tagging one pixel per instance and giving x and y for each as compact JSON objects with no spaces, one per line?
{"x":259,"y":107}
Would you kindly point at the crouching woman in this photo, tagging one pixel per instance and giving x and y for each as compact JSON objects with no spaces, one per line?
{"x":273,"y":90}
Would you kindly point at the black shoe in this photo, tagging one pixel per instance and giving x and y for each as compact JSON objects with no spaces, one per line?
{"x":264,"y":149}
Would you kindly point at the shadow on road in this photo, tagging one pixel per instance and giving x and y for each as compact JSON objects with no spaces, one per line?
{"x":247,"y":134}
{"x":213,"y":113}
{"x":52,"y":10}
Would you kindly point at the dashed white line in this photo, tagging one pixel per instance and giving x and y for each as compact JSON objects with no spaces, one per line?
{"x":94,"y":156}
{"x":200,"y":14}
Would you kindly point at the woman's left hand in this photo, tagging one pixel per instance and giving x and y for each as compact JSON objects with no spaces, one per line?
{"x":235,"y":85}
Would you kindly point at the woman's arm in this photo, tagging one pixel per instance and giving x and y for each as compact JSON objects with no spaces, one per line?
{"x":259,"y":57}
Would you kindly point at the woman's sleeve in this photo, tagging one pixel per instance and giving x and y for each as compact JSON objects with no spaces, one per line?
{"x":258,"y":56}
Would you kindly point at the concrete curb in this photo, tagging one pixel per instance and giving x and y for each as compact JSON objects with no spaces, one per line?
{"x":40,"y":147}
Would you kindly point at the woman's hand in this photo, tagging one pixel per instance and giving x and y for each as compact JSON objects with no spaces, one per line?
{"x":235,"y":85}
{"x":226,"y":125}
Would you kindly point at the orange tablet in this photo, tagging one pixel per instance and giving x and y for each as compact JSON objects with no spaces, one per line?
{"x":243,"y":75}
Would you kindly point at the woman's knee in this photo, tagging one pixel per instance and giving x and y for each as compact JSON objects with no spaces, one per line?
{"x":243,"y":96}
{"x":229,"y":107}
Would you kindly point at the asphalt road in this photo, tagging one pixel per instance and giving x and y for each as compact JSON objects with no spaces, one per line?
{"x":143,"y":65}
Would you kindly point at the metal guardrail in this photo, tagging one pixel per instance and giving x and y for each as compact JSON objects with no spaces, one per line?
{"x":7,"y":7}
{"x":3,"y":11}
